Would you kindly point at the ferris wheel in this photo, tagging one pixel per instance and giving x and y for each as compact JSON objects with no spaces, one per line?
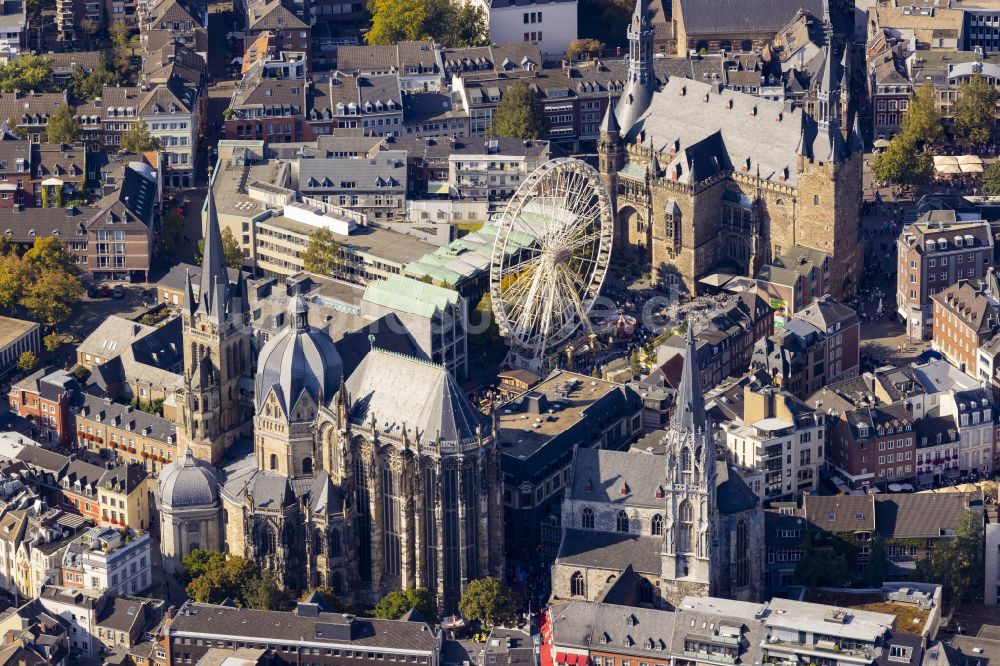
{"x":550,"y":258}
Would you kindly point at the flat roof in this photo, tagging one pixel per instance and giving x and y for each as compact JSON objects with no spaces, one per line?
{"x":11,"y":329}
{"x":230,"y":183}
{"x":384,"y":244}
{"x":569,"y":394}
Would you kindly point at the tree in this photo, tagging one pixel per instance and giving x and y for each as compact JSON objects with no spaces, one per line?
{"x":922,"y":120}
{"x":121,"y":51}
{"x":220,"y":577}
{"x":231,"y":250}
{"x":975,"y":111}
{"x":457,"y":25}
{"x":823,"y":567}
{"x":901,"y":163}
{"x":88,"y":28}
{"x":396,"y":20}
{"x":991,"y":179}
{"x":81,"y":373}
{"x":397,"y":603}
{"x":48,"y":253}
{"x":877,"y":568}
{"x":53,"y":341}
{"x":635,"y":364}
{"x":487,"y":600}
{"x":322,"y":255}
{"x":27,"y":361}
{"x":171,"y":231}
{"x":14,"y":276}
{"x":62,"y":126}
{"x":584,"y":47}
{"x":51,"y":296}
{"x":85,"y":85}
{"x":137,"y":139}
{"x":957,"y":563}
{"x":519,"y":114}
{"x":27,"y":72}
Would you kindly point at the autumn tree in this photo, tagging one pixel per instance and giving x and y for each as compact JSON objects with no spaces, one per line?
{"x":121,"y":51}
{"x":396,"y":20}
{"x":137,"y":139}
{"x":88,"y":28}
{"x":520,"y":114}
{"x":214,"y":577}
{"x":27,"y":361}
{"x":51,"y":296}
{"x":975,"y":111}
{"x":48,"y":253}
{"x":53,"y":341}
{"x":584,"y":47}
{"x":62,"y":126}
{"x":487,"y":600}
{"x":322,"y":255}
{"x":922,"y":121}
{"x":453,"y":25}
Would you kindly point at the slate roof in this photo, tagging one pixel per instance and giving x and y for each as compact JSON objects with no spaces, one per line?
{"x":732,"y":495}
{"x":603,"y":475}
{"x":273,"y":15}
{"x":921,"y":515}
{"x":610,"y":550}
{"x":840,"y":513}
{"x":84,"y":472}
{"x":39,"y":458}
{"x":33,"y":108}
{"x":112,"y":336}
{"x":120,"y":614}
{"x":720,"y":17}
{"x":333,"y":628}
{"x":617,"y":629}
{"x":703,"y":138}
{"x":104,"y":410}
{"x":401,"y":392}
{"x":973,"y":309}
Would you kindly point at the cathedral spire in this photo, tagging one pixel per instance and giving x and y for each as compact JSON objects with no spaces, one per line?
{"x":609,"y":124}
{"x":689,"y":410}
{"x":214,"y":286}
{"x":190,"y":302}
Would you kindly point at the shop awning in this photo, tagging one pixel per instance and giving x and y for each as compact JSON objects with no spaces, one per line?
{"x":560,"y":657}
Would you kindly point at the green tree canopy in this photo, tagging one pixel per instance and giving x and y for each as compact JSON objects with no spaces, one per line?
{"x":53,"y":341}
{"x":902,"y":164}
{"x":84,"y":85}
{"x":235,"y":578}
{"x":975,"y":111}
{"x":27,"y":361}
{"x":26,"y":72}
{"x":487,"y":600}
{"x":877,"y":568}
{"x":199,"y":561}
{"x":121,"y":51}
{"x":171,"y":231}
{"x":452,"y":25}
{"x":51,"y":296}
{"x":520,"y":114}
{"x":322,"y":255}
{"x":62,"y":126}
{"x":138,"y":139}
{"x":991,"y":179}
{"x":397,"y":603}
{"x":922,"y":120}
{"x":957,"y":563}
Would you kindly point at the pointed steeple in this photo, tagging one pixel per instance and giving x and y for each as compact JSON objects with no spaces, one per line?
{"x":641,"y":83}
{"x":689,"y":410}
{"x":213,"y":300}
{"x":609,"y":124}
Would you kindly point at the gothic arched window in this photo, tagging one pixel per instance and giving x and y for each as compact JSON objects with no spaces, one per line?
{"x":576,"y":585}
{"x":656,"y":525}
{"x":622,"y":521}
{"x":334,"y":543}
{"x":268,"y":540}
{"x":307,"y":465}
{"x":318,"y":543}
{"x":742,"y":555}
{"x":274,"y":461}
{"x":588,"y":518}
{"x":686,"y":460}
{"x":686,"y":527}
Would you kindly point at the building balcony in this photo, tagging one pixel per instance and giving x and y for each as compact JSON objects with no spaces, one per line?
{"x":825,"y":649}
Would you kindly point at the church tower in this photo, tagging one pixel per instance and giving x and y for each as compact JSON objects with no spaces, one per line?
{"x":611,"y":157}
{"x":641,"y":81}
{"x":216,"y":342}
{"x":830,"y":190}
{"x":690,"y":551}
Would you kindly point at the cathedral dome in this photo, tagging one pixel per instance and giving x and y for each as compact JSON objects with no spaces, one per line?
{"x":187,"y":483}
{"x":299,"y":358}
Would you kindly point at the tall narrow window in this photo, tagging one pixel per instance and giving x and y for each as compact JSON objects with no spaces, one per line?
{"x":622,"y":525}
{"x":587,"y":520}
{"x":577,"y":586}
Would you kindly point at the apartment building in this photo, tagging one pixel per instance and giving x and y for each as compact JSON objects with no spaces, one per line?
{"x":778,"y":435}
{"x":373,"y":186}
{"x":965,"y":318}
{"x":549,"y":25}
{"x":44,"y":399}
{"x":171,"y":112}
{"x":131,"y":436}
{"x":934,"y":253}
{"x":104,"y":559}
{"x":819,"y":345}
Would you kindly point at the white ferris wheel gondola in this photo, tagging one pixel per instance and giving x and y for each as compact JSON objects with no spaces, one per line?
{"x":550,"y":258}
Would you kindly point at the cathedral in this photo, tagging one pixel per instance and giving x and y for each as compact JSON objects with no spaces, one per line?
{"x":704,"y":179}
{"x":384,"y":479}
{"x":653,"y":527}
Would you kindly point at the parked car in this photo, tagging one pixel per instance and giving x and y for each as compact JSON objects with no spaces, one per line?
{"x":119,"y":291}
